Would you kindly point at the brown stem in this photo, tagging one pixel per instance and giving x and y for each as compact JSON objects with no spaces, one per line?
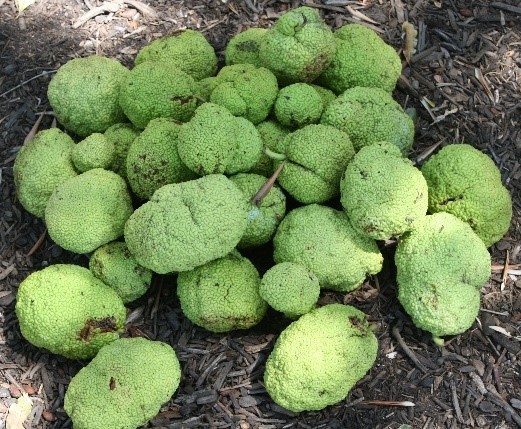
{"x":266,"y":188}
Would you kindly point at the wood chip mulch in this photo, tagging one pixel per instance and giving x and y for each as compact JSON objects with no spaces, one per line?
{"x":464,"y":81}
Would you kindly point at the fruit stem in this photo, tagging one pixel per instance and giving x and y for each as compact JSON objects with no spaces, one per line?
{"x":274,"y":155}
{"x":266,"y":188}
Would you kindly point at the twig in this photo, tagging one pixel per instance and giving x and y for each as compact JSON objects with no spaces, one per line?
{"x":478,"y":382}
{"x":425,"y":103}
{"x":7,"y":271}
{"x":105,"y":7}
{"x":140,"y":6}
{"x":440,"y":403}
{"x":215,"y":24}
{"x":266,"y":188}
{"x":481,"y":79}
{"x":360,"y":15}
{"x":45,"y":73}
{"x":505,"y":405}
{"x":389,"y":403}
{"x":30,"y":135}
{"x":427,"y":152}
{"x":155,"y":307}
{"x":507,"y":7}
{"x":371,"y":26}
{"x":499,"y":313}
{"x":200,"y":99}
{"x":325,"y":6}
{"x":502,"y":267}
{"x":447,"y":113}
{"x":404,"y":84}
{"x":505,"y":272}
{"x":407,"y":350}
{"x":497,"y":378}
{"x":355,"y":402}
{"x":340,"y":2}
{"x":251,"y":6}
{"x":12,"y":380}
{"x":38,"y":243}
{"x":455,"y":402}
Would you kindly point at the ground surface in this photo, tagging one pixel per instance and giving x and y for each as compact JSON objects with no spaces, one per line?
{"x":465,"y":83}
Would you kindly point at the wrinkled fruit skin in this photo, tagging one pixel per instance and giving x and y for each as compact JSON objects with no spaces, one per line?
{"x":121,"y":135}
{"x":318,"y":359}
{"x":362,"y":58}
{"x":340,"y":257}
{"x":316,"y":157}
{"x":298,"y":47}
{"x":271,"y":132}
{"x":222,"y":295}
{"x":124,"y":386}
{"x":66,"y":310}
{"x":263,"y":218}
{"x":88,"y":210}
{"x":382,"y":193}
{"x":155,"y":89}
{"x":189,"y":51}
{"x":370,"y":115}
{"x":243,"y":48}
{"x":465,"y":182}
{"x":249,"y":94}
{"x":84,"y":94}
{"x":216,"y":142}
{"x":441,"y":267}
{"x":153,"y":160}
{"x":94,"y":151}
{"x":290,"y":288}
{"x":115,"y":266}
{"x":298,"y":105}
{"x":188,"y":224}
{"x":40,"y":166}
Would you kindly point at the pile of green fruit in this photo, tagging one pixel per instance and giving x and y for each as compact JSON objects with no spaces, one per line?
{"x":176,"y":167}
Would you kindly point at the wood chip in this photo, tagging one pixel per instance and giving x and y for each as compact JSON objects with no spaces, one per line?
{"x":105,"y":7}
{"x":360,"y":15}
{"x":399,"y":10}
{"x":142,"y":7}
{"x":248,"y":401}
{"x":479,"y":76}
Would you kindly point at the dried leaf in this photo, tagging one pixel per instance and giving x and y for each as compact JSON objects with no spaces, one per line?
{"x":504,"y":332}
{"x":21,"y":5}
{"x":410,"y":41}
{"x":18,"y":412}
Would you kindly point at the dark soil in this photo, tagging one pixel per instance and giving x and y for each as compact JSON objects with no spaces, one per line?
{"x":465,"y":84}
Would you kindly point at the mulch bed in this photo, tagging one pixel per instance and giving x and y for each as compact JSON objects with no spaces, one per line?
{"x":464,"y":82}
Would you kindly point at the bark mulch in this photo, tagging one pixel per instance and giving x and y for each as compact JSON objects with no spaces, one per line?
{"x":464,"y":82}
